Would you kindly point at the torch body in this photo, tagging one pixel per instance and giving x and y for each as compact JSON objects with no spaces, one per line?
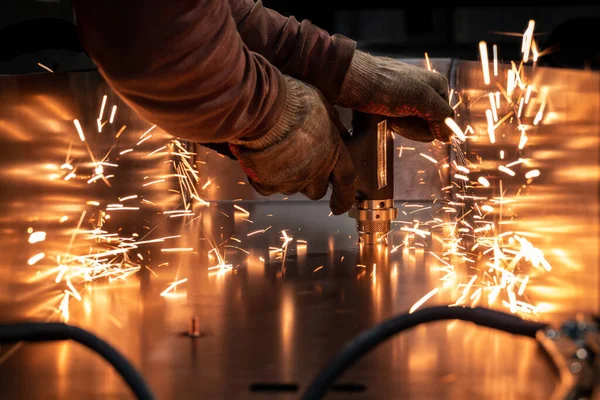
{"x":371,"y":147}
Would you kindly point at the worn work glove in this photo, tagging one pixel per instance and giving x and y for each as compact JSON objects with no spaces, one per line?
{"x":384,"y":86}
{"x":303,"y":153}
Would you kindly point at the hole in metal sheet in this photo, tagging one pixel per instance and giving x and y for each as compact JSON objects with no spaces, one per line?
{"x":273,"y":387}
{"x":349,"y":387}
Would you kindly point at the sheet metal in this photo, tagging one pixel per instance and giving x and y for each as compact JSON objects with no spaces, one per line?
{"x":265,"y":321}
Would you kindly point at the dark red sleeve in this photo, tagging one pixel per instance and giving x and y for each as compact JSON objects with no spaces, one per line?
{"x":182,"y":65}
{"x":299,"y":49}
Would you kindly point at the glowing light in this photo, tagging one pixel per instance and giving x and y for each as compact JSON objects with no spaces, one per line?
{"x":433,"y":160}
{"x":423,"y":300}
{"x":455,"y":128}
{"x":483,"y":182}
{"x":37,"y":237}
{"x":490,"y":123}
{"x":495,"y":51}
{"x":112,"y":114}
{"x":484,"y":62}
{"x":34,"y":259}
{"x":79,"y":130}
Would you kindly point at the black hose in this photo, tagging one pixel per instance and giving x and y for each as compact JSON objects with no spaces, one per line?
{"x":42,"y":332}
{"x":370,"y":338}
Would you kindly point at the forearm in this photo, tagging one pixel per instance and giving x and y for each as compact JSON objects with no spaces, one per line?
{"x":183,"y":66}
{"x":298,"y":48}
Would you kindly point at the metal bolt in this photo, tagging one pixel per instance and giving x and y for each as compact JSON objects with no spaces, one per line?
{"x":581,"y":354}
{"x":575,"y":367}
{"x":194,"y":329}
{"x":551,"y":333}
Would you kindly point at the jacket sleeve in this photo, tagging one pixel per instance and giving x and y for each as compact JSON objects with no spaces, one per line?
{"x":182,"y":65}
{"x":298,"y":48}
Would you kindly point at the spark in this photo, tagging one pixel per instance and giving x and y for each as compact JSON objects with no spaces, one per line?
{"x":521,"y":102}
{"x":487,"y":208}
{"x":157,"y":150}
{"x":462,"y":169}
{"x":62,"y":219}
{"x":423,"y":300}
{"x":120,"y":132}
{"x":523,"y":140}
{"x":126,"y":151}
{"x":427,"y":61}
{"x":484,"y":182}
{"x":493,"y":107}
{"x":172,"y":286}
{"x":495,"y":51}
{"x":523,"y":286}
{"x":208,"y":182}
{"x":317,"y":269}
{"x":112,"y":114}
{"x":241,"y":209}
{"x":540,"y":113}
{"x":506,"y":170}
{"x":510,"y":82}
{"x":153,"y":182}
{"x":455,"y":128}
{"x":528,"y":93}
{"x":419,"y":232}
{"x":490,"y":124}
{"x":143,"y":140}
{"x":484,"y":62}
{"x":461,"y":177}
{"x":133,"y":196}
{"x":34,"y":259}
{"x":45,"y":67}
{"x":177,"y":249}
{"x":527,"y":38}
{"x":79,"y":130}
{"x":148,"y":131}
{"x":534,"y":173}
{"x":36,"y":237}
{"x":104,"y":98}
{"x":433,"y":160}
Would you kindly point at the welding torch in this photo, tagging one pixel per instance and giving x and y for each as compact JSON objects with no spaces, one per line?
{"x":371,"y":147}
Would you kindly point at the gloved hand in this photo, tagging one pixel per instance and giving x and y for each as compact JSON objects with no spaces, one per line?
{"x":303,"y":153}
{"x":384,"y":86}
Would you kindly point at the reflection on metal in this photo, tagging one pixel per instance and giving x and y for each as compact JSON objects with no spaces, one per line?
{"x":273,"y":287}
{"x":382,"y":139}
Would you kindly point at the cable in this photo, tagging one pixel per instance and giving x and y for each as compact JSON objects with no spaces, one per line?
{"x":370,"y":338}
{"x":42,"y":332}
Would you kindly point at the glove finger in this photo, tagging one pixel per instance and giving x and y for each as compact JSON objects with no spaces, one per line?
{"x":413,"y":128}
{"x":435,"y":107}
{"x":343,"y":181}
{"x":440,"y":85}
{"x":261,"y":189}
{"x":441,"y":131}
{"x":316,"y":190}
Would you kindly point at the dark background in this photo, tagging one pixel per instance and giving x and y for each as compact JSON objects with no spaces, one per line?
{"x":33,"y":31}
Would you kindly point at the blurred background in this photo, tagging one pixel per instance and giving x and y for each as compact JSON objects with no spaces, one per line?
{"x":33,"y":31}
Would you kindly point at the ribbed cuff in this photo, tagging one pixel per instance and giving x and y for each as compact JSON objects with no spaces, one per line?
{"x":293,"y":109}
{"x":357,"y":83}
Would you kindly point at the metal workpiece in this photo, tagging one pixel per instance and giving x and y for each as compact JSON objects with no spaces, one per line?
{"x":247,"y":297}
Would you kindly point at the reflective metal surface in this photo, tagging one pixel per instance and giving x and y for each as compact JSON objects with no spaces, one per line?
{"x":292,"y":286}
